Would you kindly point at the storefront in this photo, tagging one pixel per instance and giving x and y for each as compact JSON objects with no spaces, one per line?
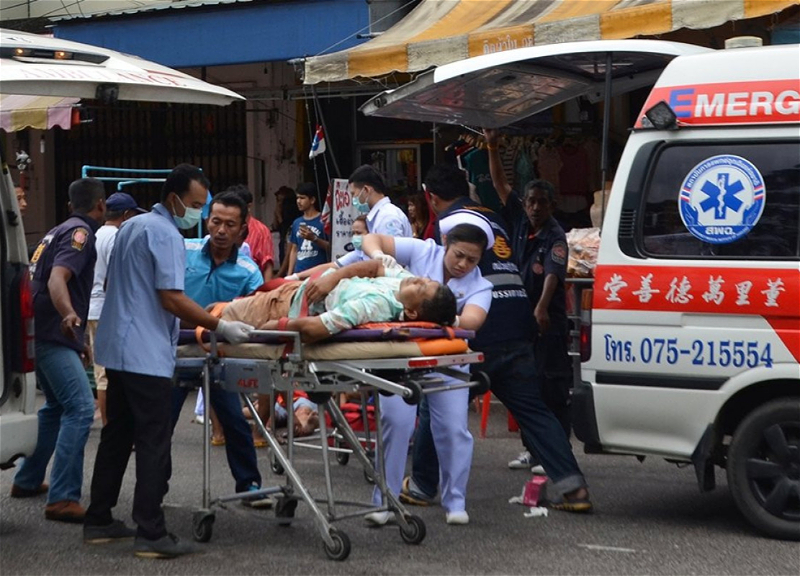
{"x":562,"y":142}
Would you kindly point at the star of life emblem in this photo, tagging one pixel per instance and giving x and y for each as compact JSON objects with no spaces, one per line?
{"x":722,"y":199}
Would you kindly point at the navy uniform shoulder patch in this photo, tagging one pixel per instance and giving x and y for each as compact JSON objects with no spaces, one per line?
{"x":559,"y":253}
{"x":79,"y":238}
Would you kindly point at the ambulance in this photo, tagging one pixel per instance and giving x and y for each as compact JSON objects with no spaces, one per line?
{"x":691,"y":334}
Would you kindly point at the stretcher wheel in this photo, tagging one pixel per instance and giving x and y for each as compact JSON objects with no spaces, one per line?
{"x":416,"y":392}
{"x":284,"y":508}
{"x":341,"y":457}
{"x":202,"y":526}
{"x":484,"y":383}
{"x":369,"y":477}
{"x":341,"y":545}
{"x":276,"y":466}
{"x":415,"y":532}
{"x":319,"y":398}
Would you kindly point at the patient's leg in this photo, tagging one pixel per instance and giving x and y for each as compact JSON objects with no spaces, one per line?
{"x":262,"y":307}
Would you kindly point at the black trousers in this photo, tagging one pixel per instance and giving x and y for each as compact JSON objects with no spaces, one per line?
{"x":139,"y":410}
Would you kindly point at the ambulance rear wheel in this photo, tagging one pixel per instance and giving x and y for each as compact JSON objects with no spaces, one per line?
{"x":764,"y":468}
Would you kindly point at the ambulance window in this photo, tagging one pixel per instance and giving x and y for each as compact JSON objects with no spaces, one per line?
{"x":706,"y":201}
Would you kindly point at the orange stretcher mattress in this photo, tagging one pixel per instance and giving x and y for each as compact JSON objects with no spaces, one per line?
{"x":337,"y":350}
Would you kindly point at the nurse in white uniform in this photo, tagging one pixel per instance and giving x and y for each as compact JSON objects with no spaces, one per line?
{"x":466,"y":235}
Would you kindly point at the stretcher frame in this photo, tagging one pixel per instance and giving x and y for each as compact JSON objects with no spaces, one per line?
{"x":411,"y":377}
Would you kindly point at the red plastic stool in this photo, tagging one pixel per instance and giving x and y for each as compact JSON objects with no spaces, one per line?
{"x":512,"y":424}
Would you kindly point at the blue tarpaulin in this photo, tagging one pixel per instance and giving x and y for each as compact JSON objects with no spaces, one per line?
{"x":235,"y":34}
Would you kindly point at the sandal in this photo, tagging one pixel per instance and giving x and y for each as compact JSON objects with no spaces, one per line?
{"x":217,"y":441}
{"x":567,"y":503}
{"x":259,"y":443}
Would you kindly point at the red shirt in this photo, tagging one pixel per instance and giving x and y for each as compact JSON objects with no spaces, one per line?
{"x":260,"y":240}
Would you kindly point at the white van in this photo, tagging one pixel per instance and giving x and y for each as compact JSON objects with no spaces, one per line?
{"x":693,"y":340}
{"x":42,"y":66}
{"x":18,"y":423}
{"x":692,"y":343}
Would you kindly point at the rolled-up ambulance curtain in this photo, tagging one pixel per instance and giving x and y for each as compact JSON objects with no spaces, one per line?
{"x":437,"y":32}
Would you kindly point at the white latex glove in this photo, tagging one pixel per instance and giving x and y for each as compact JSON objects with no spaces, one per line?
{"x":233,"y":331}
{"x":292,"y":277}
{"x":386,"y":260}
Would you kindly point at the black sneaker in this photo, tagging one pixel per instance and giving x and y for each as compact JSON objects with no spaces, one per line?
{"x":167,"y":547}
{"x":104,"y":534}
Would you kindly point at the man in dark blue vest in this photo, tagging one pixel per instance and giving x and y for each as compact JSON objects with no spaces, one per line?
{"x":506,"y":342}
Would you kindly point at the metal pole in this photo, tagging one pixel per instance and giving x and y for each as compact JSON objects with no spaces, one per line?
{"x":606,"y":122}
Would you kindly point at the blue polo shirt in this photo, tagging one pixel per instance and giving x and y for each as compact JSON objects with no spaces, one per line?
{"x":135,"y":333}
{"x":207,"y":282}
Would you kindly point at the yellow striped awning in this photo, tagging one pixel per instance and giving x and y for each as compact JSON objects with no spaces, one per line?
{"x":18,"y":112}
{"x":437,"y":32}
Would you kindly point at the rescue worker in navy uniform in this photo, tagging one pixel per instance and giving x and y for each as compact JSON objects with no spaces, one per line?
{"x":505,"y":339}
{"x":62,"y":271}
{"x":541,"y":248}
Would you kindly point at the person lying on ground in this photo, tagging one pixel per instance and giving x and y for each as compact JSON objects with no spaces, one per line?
{"x":357,"y":294}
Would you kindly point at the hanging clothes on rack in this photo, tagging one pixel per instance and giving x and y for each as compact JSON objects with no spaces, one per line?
{"x":525,"y":165}
{"x":574,"y":185}
{"x":550,"y":164}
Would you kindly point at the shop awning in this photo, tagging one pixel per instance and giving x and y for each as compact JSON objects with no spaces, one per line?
{"x":18,"y":112}
{"x":441,"y":31}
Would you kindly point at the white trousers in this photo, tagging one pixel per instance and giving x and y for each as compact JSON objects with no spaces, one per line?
{"x":451,"y":437}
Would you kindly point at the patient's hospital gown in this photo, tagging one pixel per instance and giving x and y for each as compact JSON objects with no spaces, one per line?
{"x":357,"y":301}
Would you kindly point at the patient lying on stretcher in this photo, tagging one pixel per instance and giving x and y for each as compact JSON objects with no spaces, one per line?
{"x":343,"y":298}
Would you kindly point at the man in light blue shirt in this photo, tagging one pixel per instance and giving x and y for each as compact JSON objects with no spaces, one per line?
{"x":217,"y":272}
{"x":137,"y":337}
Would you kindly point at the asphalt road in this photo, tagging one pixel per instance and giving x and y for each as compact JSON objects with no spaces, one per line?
{"x":650,"y":518}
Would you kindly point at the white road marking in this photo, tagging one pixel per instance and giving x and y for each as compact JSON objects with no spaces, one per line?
{"x":606,"y":548}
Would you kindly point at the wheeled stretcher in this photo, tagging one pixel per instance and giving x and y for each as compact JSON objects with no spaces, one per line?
{"x":407,"y":361}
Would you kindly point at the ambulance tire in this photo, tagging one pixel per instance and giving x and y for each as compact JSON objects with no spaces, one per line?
{"x":764,"y":468}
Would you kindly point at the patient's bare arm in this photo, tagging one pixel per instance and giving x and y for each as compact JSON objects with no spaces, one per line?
{"x":318,"y":289}
{"x":311,"y":328}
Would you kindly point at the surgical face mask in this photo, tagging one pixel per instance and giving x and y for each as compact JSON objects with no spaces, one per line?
{"x":361,"y":207}
{"x":191,"y":216}
{"x":357,"y":240}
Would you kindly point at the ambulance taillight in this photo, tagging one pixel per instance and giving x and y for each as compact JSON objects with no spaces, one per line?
{"x":26,"y":340}
{"x":586,"y":325}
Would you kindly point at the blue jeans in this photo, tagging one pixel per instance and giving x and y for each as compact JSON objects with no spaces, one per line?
{"x":512,"y":370}
{"x":239,"y":447}
{"x":64,"y":423}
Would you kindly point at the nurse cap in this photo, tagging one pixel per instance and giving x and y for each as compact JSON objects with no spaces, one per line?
{"x":468,"y":217}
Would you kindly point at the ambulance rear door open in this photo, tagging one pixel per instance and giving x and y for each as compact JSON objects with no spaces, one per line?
{"x":499,"y":89}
